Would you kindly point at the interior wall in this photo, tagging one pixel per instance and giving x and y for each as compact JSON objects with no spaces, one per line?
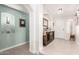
{"x":51,"y":23}
{"x":21,"y":34}
{"x":49,"y":18}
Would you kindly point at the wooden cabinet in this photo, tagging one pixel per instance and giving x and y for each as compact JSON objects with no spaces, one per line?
{"x":49,"y":37}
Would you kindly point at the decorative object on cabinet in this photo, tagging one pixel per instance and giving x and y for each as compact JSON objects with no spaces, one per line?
{"x":22,"y":23}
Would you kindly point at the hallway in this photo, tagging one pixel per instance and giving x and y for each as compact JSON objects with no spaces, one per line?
{"x":61,"y":47}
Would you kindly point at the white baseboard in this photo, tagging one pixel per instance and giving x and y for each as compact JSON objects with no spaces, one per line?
{"x":13,"y":46}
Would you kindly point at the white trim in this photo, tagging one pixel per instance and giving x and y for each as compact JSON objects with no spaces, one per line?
{"x":13,"y":46}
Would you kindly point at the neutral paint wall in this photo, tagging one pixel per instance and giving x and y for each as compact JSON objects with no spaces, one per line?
{"x":47,"y":15}
{"x":21,"y":34}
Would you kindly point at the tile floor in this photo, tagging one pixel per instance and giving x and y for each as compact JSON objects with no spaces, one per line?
{"x":61,"y":47}
{"x":57,"y":47}
{"x":21,"y":50}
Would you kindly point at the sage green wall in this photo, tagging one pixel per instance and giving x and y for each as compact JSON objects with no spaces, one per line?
{"x":21,"y":34}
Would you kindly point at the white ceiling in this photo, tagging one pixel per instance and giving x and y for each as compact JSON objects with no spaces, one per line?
{"x":69,"y":10}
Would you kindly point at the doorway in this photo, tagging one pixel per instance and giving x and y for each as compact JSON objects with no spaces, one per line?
{"x":59,"y":28}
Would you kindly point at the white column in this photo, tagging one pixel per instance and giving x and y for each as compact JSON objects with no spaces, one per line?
{"x":68,"y":27}
{"x":77,"y":34}
{"x":36,"y":28}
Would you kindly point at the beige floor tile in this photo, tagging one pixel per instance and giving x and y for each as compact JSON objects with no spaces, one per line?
{"x":61,"y":47}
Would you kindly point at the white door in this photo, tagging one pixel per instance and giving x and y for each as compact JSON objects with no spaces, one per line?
{"x":59,"y":28}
